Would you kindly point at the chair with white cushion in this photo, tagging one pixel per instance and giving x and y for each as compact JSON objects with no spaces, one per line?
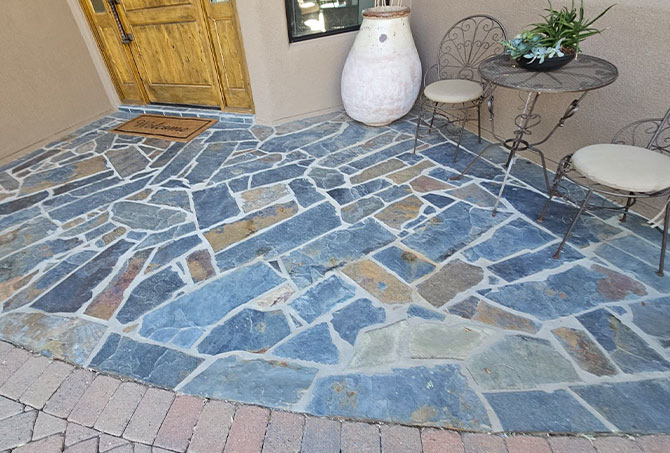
{"x":635,"y":165}
{"x":457,"y":88}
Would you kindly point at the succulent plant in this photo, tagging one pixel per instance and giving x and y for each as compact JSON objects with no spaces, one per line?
{"x":561,"y":33}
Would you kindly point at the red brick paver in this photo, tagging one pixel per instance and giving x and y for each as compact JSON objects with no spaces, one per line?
{"x":147,"y":419}
{"x":284,"y":433}
{"x":483,"y":443}
{"x":248,"y":430}
{"x":128,"y":417}
{"x":360,"y":438}
{"x":612,"y":444}
{"x":177,"y":428}
{"x":400,"y":439}
{"x":527,"y":444}
{"x":441,"y":441}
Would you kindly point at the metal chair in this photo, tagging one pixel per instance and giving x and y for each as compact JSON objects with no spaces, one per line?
{"x":459,"y":88}
{"x":635,"y":165}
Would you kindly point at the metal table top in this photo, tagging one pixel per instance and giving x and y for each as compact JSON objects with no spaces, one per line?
{"x":582,"y":74}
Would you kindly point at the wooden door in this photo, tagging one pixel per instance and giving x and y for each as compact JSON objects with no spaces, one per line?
{"x":226,"y":38}
{"x":173,"y":51}
{"x":115,"y":53}
{"x":171,"y":48}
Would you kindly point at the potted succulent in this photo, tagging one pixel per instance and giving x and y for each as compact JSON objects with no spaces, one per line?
{"x":554,"y":42}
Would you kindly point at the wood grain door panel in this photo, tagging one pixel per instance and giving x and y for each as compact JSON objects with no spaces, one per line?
{"x":226,"y":37}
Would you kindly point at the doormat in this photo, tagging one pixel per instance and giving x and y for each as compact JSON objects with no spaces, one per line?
{"x":174,"y":128}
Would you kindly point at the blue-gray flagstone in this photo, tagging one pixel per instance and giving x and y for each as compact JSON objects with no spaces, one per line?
{"x":181,"y":161}
{"x":531,"y":263}
{"x":82,"y":182}
{"x":345,"y":195}
{"x":305,"y":192}
{"x":214,"y":205}
{"x":289,"y":142}
{"x":353,"y":133}
{"x":28,"y":233}
{"x":150,"y":293}
{"x":309,"y":263}
{"x":451,"y":230}
{"x":18,"y":204}
{"x":282,"y":237}
{"x":270,"y":383}
{"x":245,"y":166}
{"x":542,"y":412}
{"x":146,"y":217}
{"x":173,"y":198}
{"x":624,"y":346}
{"x":440,"y":201}
{"x":96,"y":200}
{"x":168,"y":235}
{"x":511,"y":238}
{"x":394,"y":192}
{"x":210,"y":303}
{"x":588,"y":230}
{"x":633,"y":407}
{"x":311,"y":345}
{"x":635,"y":268}
{"x":73,"y":292}
{"x":444,"y":154}
{"x":572,"y":291}
{"x":230,"y":135}
{"x":651,"y":316}
{"x":322,"y":298}
{"x":406,"y":264}
{"x":21,"y":262}
{"x":383,"y":155}
{"x":277,"y":174}
{"x":416,"y":311}
{"x":359,"y":314}
{"x":436,"y":396}
{"x":147,"y":362}
{"x":172,"y":250}
{"x":338,"y":158}
{"x":209,"y":161}
{"x":326,"y":178}
{"x":249,"y":330}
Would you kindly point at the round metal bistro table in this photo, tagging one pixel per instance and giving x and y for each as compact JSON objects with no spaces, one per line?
{"x":582,"y":75}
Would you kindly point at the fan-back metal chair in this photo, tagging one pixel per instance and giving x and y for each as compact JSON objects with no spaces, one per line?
{"x":456,"y":86}
{"x":635,"y":165}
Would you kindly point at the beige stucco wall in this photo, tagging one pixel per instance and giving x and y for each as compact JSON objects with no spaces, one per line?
{"x":50,"y":81}
{"x":637,"y":42}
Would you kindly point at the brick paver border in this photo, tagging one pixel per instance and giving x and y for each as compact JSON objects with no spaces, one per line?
{"x":47,"y":406}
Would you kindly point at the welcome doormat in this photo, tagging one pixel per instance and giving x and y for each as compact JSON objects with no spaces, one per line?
{"x":173,"y":128}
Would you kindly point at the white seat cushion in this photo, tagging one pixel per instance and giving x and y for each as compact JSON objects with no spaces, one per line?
{"x":453,"y":91}
{"x":624,"y":167}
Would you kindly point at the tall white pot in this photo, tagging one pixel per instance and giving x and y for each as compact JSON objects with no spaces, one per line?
{"x":382,"y":75}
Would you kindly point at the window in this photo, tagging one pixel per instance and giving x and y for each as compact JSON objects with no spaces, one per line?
{"x":313,"y":18}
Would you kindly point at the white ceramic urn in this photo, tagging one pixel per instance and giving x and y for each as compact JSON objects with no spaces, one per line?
{"x":382,"y":75}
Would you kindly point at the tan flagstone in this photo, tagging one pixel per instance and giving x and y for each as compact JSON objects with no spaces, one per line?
{"x":200,"y":265}
{"x":406,"y":174}
{"x":381,"y":284}
{"x":79,"y":170}
{"x":277,"y":296}
{"x":396,"y":214}
{"x":427,"y":184}
{"x":263,"y":196}
{"x":230,"y":233}
{"x":377,"y":170}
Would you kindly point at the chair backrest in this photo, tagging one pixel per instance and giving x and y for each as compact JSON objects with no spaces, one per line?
{"x":469,"y":42}
{"x":653,"y":134}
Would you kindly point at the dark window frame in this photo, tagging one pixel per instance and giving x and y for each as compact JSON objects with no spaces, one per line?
{"x":290,"y":20}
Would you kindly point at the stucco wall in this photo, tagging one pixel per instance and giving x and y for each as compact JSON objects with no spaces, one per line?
{"x":49,"y":81}
{"x":637,"y":42}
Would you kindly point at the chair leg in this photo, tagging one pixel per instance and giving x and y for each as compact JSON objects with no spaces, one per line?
{"x":418,"y":125}
{"x":630,"y":202}
{"x":572,"y":225}
{"x":560,"y":171}
{"x":460,"y":137}
{"x":432,"y":119}
{"x":664,"y":245}
{"x":479,"y":123}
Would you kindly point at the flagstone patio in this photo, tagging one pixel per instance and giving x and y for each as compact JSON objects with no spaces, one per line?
{"x":322,"y":267}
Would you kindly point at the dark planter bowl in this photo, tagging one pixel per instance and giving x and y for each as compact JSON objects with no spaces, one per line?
{"x":549,"y":64}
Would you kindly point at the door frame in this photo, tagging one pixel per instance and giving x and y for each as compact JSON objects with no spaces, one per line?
{"x":217,"y":61}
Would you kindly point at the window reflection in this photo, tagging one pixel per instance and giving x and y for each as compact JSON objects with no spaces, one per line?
{"x":311,"y":18}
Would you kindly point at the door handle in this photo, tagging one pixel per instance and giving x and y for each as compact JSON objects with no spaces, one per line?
{"x":126,"y":38}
